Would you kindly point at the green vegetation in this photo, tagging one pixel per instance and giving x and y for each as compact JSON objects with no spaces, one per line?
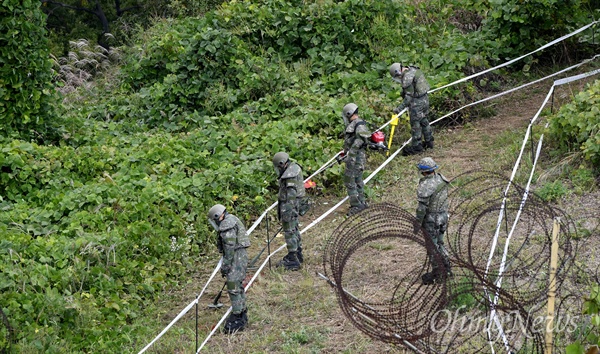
{"x":575,"y":126}
{"x":27,"y":97}
{"x":552,"y":191}
{"x":590,"y":330}
{"x":103,"y":196}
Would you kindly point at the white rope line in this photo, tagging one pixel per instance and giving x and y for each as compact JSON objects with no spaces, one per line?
{"x":245,"y":289}
{"x":516,"y":59}
{"x":512,"y":230}
{"x":185,"y":310}
{"x":524,"y":198}
{"x":517,"y":88}
{"x":328,"y":164}
{"x":576,"y":77}
{"x":331,"y":210}
{"x":501,"y":217}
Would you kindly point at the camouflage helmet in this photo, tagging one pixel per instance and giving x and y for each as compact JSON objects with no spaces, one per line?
{"x":280,"y":159}
{"x":215,"y":212}
{"x":427,"y":164}
{"x":395,"y":69}
{"x":349,"y":110}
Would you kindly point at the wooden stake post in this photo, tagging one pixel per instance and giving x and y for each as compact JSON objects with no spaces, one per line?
{"x":552,"y":287}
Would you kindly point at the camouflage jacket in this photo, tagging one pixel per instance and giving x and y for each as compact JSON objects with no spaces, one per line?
{"x":414,"y":85}
{"x":232,"y":236}
{"x":432,"y":195}
{"x":291,"y":185}
{"x":356,"y":137}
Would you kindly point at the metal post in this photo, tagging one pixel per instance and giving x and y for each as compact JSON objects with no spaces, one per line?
{"x":552,"y":287}
{"x":268,"y":242}
{"x":196,"y":325}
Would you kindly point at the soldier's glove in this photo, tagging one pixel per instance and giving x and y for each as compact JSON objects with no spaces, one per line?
{"x":377,"y":146}
{"x":398,"y":109}
{"x":225,"y":270}
{"x":341,"y":157}
{"x":416,"y":226}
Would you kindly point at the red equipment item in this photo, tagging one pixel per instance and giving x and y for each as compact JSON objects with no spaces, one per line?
{"x":378,"y":137}
{"x":378,"y":141}
{"x":309,"y":184}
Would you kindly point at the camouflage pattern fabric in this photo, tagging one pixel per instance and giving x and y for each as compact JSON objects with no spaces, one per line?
{"x":232,"y":234}
{"x":355,"y":143}
{"x":291,"y":190}
{"x":419,"y":124}
{"x":414,"y":91}
{"x":432,"y":210}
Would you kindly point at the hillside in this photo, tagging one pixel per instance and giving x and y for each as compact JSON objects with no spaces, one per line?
{"x":298,"y":312}
{"x":111,"y":156}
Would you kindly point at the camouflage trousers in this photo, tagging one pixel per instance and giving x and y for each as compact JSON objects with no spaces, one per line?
{"x":419,"y":124}
{"x":435,"y":225}
{"x":289,"y":223}
{"x":235,"y":277}
{"x":353,"y":178}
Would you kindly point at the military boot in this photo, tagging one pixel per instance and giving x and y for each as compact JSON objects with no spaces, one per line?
{"x":290,"y":261}
{"x":235,"y":323}
{"x":356,"y":209}
{"x":428,"y":278}
{"x":245,"y":317}
{"x":431,"y":277}
{"x":412,"y":150}
{"x":428,"y":144}
{"x":300,"y":255}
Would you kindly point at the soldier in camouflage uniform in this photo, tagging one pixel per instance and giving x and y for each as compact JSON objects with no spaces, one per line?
{"x":291,"y":194}
{"x":414,"y":93}
{"x":232,"y":242}
{"x":432,"y":215}
{"x":356,"y":140}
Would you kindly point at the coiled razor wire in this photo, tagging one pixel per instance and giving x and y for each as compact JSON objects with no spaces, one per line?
{"x":374,"y":260}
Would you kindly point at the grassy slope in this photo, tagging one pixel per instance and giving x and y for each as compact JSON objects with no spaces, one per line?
{"x":298,"y":312}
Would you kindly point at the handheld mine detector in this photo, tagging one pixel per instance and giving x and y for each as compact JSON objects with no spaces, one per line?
{"x":376,"y":142}
{"x":251,"y":264}
{"x":216,"y":304}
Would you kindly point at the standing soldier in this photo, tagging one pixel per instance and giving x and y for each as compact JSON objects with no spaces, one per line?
{"x":414,"y":94}
{"x":357,"y":138}
{"x":432,"y":215}
{"x":232,"y":242}
{"x":291,"y":197}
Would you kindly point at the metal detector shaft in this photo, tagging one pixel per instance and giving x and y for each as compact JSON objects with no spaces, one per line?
{"x":215,"y":303}
{"x":253,"y":261}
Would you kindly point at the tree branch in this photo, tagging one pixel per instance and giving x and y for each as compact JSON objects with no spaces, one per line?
{"x":121,"y":11}
{"x":76,"y":8}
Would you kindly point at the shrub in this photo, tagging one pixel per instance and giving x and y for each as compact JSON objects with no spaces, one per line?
{"x":26,"y":92}
{"x":552,"y":191}
{"x":575,"y":127}
{"x":521,"y":26}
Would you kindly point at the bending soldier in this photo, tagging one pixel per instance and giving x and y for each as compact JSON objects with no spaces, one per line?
{"x":432,"y":215}
{"x":414,"y":94}
{"x":232,"y":242}
{"x":291,"y":196}
{"x":356,"y":140}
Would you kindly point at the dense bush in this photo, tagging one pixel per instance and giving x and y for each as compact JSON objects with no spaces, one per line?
{"x":99,"y":224}
{"x":27,"y":96}
{"x":521,"y":26}
{"x":575,"y":126}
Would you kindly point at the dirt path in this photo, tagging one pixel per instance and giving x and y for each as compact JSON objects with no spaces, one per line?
{"x":298,"y":312}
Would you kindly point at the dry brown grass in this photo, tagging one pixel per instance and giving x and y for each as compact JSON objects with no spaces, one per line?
{"x":297,"y":312}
